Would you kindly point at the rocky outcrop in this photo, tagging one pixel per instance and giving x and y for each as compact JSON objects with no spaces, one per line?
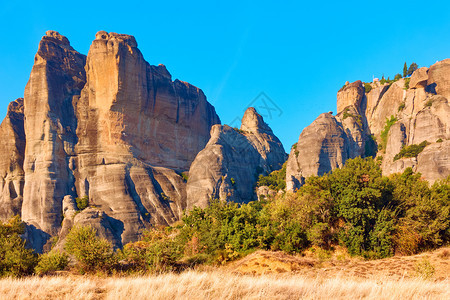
{"x":322,"y":146}
{"x":228,"y":168}
{"x":350,"y":94}
{"x":108,"y":126}
{"x":56,"y":78}
{"x":419,"y":78}
{"x":439,"y":79}
{"x":419,"y":113}
{"x":12,"y":149}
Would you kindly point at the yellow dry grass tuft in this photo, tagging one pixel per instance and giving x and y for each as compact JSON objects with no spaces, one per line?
{"x":220,"y":285}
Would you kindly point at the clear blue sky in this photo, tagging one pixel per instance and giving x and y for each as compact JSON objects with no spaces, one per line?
{"x":299,"y":53}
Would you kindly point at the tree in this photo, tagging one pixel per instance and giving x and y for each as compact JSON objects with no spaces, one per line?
{"x":412,"y":68}
{"x":405,"y":70}
{"x":91,"y":252}
{"x":397,"y":77}
{"x":15,"y":258}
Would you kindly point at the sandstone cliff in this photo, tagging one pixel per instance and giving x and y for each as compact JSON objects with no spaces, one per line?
{"x":228,"y":168}
{"x":108,"y":126}
{"x":418,"y":111}
{"x":12,"y":149}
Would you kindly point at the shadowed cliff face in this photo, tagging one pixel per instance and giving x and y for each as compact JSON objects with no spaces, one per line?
{"x":421,"y":112}
{"x":108,"y":126}
{"x":12,"y":149}
{"x":57,"y":76}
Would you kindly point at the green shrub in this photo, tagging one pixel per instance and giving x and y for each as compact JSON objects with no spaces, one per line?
{"x":411,"y":150}
{"x":158,"y":251}
{"x":397,"y":77}
{"x":367,"y":87}
{"x":357,"y":118}
{"x":275,"y":180}
{"x":406,"y":84}
{"x":15,"y":258}
{"x":385,"y":132}
{"x":401,"y":106}
{"x":439,"y":140}
{"x":51,"y":262}
{"x":233,"y":181}
{"x":82,"y":202}
{"x":92,"y":253}
{"x":429,"y":103}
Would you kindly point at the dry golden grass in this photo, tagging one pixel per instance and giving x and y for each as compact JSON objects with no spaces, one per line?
{"x":434,"y":265}
{"x":220,"y":285}
{"x":261,"y":275}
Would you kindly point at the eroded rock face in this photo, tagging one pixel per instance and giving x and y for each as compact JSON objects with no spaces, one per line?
{"x":109,"y":126}
{"x":56,"y":79}
{"x":12,"y":149}
{"x":439,"y":79}
{"x":421,"y":113}
{"x":321,"y":147}
{"x":228,"y":168}
{"x":351,"y":94}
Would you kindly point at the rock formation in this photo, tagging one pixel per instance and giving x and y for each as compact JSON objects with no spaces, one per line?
{"x":419,"y":113}
{"x":12,"y":149}
{"x":228,"y":168}
{"x":108,"y":126}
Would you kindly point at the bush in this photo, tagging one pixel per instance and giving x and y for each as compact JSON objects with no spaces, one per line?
{"x":411,"y":150}
{"x":15,"y":258}
{"x":406,"y":85}
{"x":82,"y":202}
{"x":156,"y":252}
{"x":401,"y":106}
{"x":51,"y":262}
{"x":367,"y":87}
{"x":385,"y":132}
{"x":439,"y":140}
{"x":429,"y":103}
{"x":91,"y":252}
{"x":275,"y":180}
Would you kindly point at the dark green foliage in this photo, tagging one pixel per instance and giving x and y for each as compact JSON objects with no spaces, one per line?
{"x":82,"y":202}
{"x":412,"y":68}
{"x":411,"y":150}
{"x":423,"y":213}
{"x":15,"y":258}
{"x":401,"y":106}
{"x":51,"y":262}
{"x":384,"y":133}
{"x":405,"y":70}
{"x":429,"y":103}
{"x":407,"y":80}
{"x":439,"y":140}
{"x":360,"y":193}
{"x":367,"y":87}
{"x":397,"y":77}
{"x":92,"y":253}
{"x":275,"y":180}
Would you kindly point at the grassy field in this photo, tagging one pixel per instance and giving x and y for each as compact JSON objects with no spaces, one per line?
{"x":221,"y":285}
{"x":261,"y":275}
